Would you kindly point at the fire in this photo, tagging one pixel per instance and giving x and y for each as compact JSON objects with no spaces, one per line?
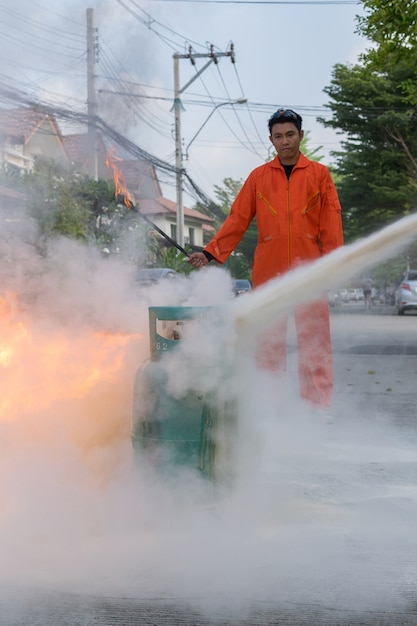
{"x":56,"y":382}
{"x":11,"y":334}
{"x":7,"y":350}
{"x":120,"y":186}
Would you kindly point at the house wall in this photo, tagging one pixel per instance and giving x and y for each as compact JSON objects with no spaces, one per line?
{"x":44,"y":142}
{"x":168,"y":226}
{"x":196,"y":237}
{"x":14,"y":155}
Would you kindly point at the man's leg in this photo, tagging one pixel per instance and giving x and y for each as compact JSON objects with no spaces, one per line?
{"x":315,"y":365}
{"x":271,"y":350}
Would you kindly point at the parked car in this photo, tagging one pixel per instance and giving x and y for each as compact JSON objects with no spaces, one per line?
{"x":333,"y":298}
{"x":355,"y":294}
{"x":343,"y":295}
{"x":406,"y":294}
{"x":241,"y":286}
{"x":153,"y":275}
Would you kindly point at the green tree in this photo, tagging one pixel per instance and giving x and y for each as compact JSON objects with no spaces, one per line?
{"x":172,"y":258}
{"x":64,"y":202}
{"x":51,"y":200}
{"x":376,"y":167}
{"x":392,"y":27}
{"x":373,"y":105}
{"x":241,"y":259}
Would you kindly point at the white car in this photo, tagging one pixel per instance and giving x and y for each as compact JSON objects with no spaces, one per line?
{"x":154,"y":275}
{"x":406,"y":294}
{"x":343,"y":295}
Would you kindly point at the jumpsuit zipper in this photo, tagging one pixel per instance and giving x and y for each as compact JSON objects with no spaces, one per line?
{"x":307,"y":207}
{"x":289,"y":223}
{"x":265,"y":201}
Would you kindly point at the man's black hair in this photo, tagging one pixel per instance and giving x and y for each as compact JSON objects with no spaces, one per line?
{"x":285,"y":115}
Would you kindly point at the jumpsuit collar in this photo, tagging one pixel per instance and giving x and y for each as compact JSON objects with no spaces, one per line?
{"x":302,"y":161}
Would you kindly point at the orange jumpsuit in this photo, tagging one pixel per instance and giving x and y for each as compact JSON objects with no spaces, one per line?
{"x":298,"y":220}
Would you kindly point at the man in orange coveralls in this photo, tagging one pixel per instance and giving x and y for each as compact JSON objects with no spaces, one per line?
{"x":298,"y":217}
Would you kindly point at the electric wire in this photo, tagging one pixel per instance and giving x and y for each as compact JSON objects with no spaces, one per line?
{"x":30,"y":85}
{"x":31,"y":35}
{"x":47,"y":9}
{"x":249,"y":110}
{"x":51,"y":30}
{"x":266,"y":2}
{"x":27,"y":44}
{"x":112,"y":74}
{"x":149,"y":21}
{"x":9,"y":94}
{"x":249,"y":145}
{"x":170,"y":43}
{"x":149,"y":118}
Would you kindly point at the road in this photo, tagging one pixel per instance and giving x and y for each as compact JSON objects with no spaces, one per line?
{"x":338,"y":546}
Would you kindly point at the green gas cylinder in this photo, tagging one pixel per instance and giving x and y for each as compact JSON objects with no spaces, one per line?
{"x":173,"y":431}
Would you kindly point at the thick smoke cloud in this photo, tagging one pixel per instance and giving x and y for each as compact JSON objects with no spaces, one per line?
{"x":301,"y":519}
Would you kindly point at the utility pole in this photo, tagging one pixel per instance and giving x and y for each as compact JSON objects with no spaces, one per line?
{"x":213,"y":58}
{"x":91,"y":97}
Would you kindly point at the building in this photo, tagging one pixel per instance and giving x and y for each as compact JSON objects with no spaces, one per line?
{"x":142,"y":183}
{"x":27,"y":134}
{"x":138,"y":180}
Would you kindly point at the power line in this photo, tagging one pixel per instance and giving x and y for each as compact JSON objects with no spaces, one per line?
{"x":48,"y":10}
{"x":150,"y":21}
{"x":8,"y":94}
{"x":22,"y":42}
{"x":57,"y":32}
{"x":249,"y":111}
{"x":130,"y":98}
{"x":291,"y":2}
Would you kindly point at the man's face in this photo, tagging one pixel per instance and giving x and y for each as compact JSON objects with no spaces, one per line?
{"x":286,"y":139}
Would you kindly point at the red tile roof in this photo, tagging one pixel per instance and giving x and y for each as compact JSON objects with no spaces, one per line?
{"x":140,"y":178}
{"x":23,"y":122}
{"x":76,"y":147}
{"x":139,"y":175}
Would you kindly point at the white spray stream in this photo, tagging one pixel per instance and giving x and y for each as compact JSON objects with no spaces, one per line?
{"x":280,"y":296}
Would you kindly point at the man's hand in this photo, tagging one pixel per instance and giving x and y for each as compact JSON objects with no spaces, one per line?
{"x":198,"y":259}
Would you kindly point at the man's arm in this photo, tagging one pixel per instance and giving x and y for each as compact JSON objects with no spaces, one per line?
{"x":331,"y":227}
{"x":231,"y":232}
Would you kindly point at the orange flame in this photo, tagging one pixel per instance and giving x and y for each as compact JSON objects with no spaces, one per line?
{"x":119,"y":182}
{"x":55,"y":382}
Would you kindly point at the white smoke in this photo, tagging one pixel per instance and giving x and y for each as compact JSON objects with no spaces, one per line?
{"x":303,"y":519}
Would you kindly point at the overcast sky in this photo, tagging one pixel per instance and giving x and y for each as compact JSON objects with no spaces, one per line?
{"x":284,"y":56}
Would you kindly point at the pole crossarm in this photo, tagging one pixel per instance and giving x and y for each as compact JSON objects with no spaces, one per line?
{"x":203,"y":55}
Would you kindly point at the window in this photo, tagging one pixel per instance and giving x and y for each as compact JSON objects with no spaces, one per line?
{"x":191,"y":236}
{"x":174,"y":231}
